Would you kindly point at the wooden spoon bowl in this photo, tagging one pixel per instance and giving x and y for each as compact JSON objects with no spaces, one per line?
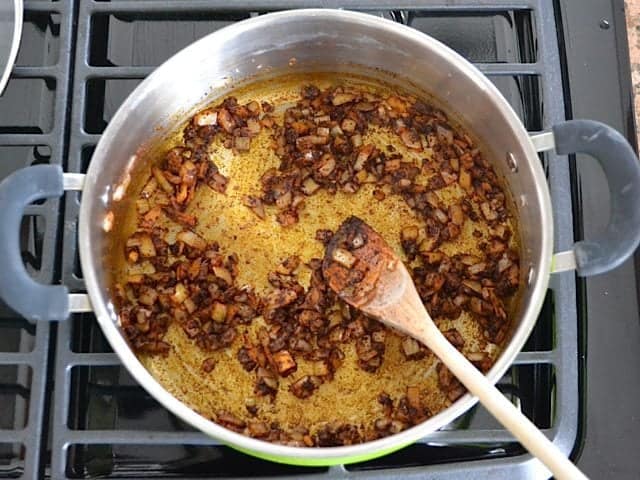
{"x":365,"y":272}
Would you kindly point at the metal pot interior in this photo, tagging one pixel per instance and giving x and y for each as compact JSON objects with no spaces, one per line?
{"x":316,"y":40}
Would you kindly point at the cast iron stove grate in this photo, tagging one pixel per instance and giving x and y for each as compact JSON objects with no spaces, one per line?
{"x":101,"y":423}
{"x":33,"y":118}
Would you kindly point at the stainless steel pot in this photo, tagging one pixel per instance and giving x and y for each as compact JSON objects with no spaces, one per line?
{"x":11,"y":13}
{"x":335,"y":41}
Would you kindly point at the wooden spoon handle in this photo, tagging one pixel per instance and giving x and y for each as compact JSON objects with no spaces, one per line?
{"x":501,"y":408}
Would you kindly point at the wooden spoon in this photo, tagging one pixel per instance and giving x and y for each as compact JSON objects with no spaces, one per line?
{"x":365,"y":272}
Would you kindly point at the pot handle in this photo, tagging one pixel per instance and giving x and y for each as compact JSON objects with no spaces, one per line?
{"x":621,"y":166}
{"x":30,"y":299}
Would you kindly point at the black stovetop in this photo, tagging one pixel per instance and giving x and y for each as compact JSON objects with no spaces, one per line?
{"x":67,"y":408}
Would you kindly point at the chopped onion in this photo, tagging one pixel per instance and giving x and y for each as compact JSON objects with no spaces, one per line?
{"x":284,"y":200}
{"x":342,"y":98}
{"x":145,"y":246}
{"x":469,"y":260}
{"x":226,"y":120}
{"x":363,"y":156}
{"x":327,"y":165}
{"x":464,"y":179}
{"x":323,"y":131}
{"x":410,"y":347}
{"x":504,"y":263}
{"x":309,"y":186}
{"x":253,"y":107}
{"x":223,"y":274}
{"x":180,"y":294}
{"x":253,"y":126}
{"x":476,"y":356}
{"x":488,"y":212}
{"x":409,"y":233}
{"x":433,"y":199}
{"x":440,"y":216}
{"x":344,"y":257}
{"x":445,"y":134}
{"x":242,"y":144}
{"x":411,"y":139}
{"x":255,"y":204}
{"x":448,"y":177}
{"x":456,"y":214}
{"x":149,"y":188}
{"x":285,"y":364}
{"x":205,"y":118}
{"x":218,"y":312}
{"x":365,"y":106}
{"x":473,"y":285}
{"x":348,"y":125}
{"x":162,"y":180}
{"x":191,"y":239}
{"x":428,"y":244}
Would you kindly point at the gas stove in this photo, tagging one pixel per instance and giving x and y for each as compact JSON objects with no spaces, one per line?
{"x":69,"y":410}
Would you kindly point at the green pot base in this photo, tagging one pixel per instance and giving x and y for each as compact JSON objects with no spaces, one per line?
{"x":321,"y":462}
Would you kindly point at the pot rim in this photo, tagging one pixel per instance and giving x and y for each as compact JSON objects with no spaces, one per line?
{"x":16,"y":23}
{"x":107,"y":318}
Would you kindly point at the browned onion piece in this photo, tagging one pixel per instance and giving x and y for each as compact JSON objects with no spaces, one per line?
{"x":242,"y":144}
{"x":255,"y":205}
{"x":305,"y":386}
{"x":411,"y":348}
{"x":473,"y":286}
{"x":411,"y":139}
{"x":445,"y":134}
{"x":267,"y":382}
{"x":344,"y":257}
{"x":504,"y":263}
{"x":206,"y":117}
{"x":440,"y":216}
{"x":180,"y":293}
{"x":191,"y":239}
{"x":348,"y":125}
{"x":477,"y":268}
{"x":226,"y":120}
{"x":230,"y":420}
{"x":409,"y":233}
{"x":162,"y":180}
{"x":464,"y":179}
{"x":488,"y":212}
{"x":456,"y":214}
{"x":427,"y":245}
{"x":327,"y":165}
{"x":208,"y":365}
{"x":342,"y":98}
{"x":285,"y":363}
{"x":223,"y":274}
{"x":309,"y":186}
